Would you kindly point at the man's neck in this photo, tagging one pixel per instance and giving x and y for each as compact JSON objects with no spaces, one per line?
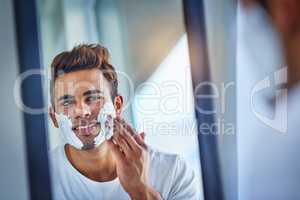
{"x":97,"y":164}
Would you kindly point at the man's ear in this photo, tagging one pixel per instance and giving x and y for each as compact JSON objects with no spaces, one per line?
{"x":52,"y":116}
{"x":118,"y":103}
{"x":143,"y":135}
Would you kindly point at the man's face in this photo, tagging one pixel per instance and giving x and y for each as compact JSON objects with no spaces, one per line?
{"x":80,"y":95}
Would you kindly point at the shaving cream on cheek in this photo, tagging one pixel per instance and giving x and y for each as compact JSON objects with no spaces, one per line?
{"x":105,"y":118}
{"x":67,"y":134}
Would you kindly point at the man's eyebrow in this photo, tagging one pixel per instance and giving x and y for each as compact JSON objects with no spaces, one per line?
{"x":90,"y":92}
{"x":64,"y":97}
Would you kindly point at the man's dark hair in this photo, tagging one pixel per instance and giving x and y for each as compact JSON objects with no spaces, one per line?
{"x":84,"y":56}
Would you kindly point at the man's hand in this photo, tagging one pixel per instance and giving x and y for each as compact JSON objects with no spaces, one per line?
{"x":132,"y":157}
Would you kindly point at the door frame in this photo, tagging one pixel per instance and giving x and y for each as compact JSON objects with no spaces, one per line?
{"x":29,"y":58}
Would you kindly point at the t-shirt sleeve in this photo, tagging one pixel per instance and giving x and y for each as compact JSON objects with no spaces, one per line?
{"x":184,"y":184}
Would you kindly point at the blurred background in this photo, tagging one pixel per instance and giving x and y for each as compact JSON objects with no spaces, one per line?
{"x":148,"y":42}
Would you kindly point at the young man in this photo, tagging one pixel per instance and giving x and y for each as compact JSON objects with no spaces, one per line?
{"x":119,"y":168}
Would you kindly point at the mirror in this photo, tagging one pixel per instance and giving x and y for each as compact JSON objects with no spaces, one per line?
{"x":147,"y":43}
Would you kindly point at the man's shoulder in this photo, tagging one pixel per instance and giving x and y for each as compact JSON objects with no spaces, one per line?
{"x":57,"y":152}
{"x":163,"y":157}
{"x":172,"y":176}
{"x":166,"y":163}
{"x":56,"y":157}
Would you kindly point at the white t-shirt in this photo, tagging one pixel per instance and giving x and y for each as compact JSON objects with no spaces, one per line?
{"x":168,"y":174}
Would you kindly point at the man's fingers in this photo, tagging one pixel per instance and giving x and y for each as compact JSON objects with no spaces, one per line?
{"x":132,"y":142}
{"x":135,"y":141}
{"x":140,"y":140}
{"x":123,"y":131}
{"x":125,"y":125}
{"x":121,"y":140}
{"x":128,"y":128}
{"x":114,"y":148}
{"x":122,"y":144}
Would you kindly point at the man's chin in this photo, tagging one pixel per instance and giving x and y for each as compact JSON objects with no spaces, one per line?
{"x":88,"y":146}
{"x":87,"y":138}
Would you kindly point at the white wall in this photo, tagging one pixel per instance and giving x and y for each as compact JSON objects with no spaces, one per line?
{"x":13,"y":183}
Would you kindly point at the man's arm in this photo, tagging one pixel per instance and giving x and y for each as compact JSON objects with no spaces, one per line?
{"x":132,"y":158}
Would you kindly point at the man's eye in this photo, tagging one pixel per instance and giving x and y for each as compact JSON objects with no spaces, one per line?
{"x":93,"y":98}
{"x":67,"y":102}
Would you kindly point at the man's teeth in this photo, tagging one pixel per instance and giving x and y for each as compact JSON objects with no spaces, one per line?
{"x":84,"y":127}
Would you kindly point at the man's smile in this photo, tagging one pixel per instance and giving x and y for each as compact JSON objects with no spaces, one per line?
{"x":87,"y":129}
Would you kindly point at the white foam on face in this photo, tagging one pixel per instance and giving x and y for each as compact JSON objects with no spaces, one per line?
{"x":67,"y":134}
{"x":105,"y":118}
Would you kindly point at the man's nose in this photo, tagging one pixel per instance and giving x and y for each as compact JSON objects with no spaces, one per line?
{"x":82,"y":110}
